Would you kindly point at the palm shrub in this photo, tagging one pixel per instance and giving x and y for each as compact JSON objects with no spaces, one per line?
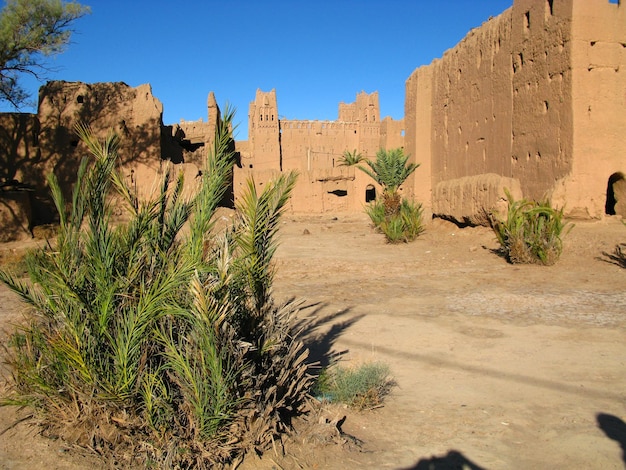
{"x":398,"y":219}
{"x":149,"y":341}
{"x":531,"y":232}
{"x":403,"y":227}
{"x":390,"y":170}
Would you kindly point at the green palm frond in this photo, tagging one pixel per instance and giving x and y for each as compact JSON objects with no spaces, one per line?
{"x":215,"y":178}
{"x":351,"y":158}
{"x":390,"y":169}
{"x":258,"y":224}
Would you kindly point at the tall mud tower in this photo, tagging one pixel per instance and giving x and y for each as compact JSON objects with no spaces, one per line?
{"x":264,"y":131}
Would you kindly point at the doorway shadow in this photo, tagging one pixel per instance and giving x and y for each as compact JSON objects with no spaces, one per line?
{"x":453,"y":460}
{"x":615,"y":429}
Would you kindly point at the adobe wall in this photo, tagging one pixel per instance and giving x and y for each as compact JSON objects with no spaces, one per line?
{"x":314,"y":149}
{"x":264,"y":132}
{"x":19,"y":147}
{"x":542,"y":123}
{"x":308,"y":145}
{"x":598,"y":90}
{"x":133,"y":113}
{"x":529,"y":95}
{"x":339,"y":190}
{"x":459,"y":114}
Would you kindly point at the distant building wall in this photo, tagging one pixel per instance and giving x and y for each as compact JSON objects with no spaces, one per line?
{"x":315,"y":149}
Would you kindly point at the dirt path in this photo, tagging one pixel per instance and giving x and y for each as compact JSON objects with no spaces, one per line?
{"x":497,"y":366}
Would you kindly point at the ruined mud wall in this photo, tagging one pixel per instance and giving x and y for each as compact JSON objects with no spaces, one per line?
{"x":536,"y":94}
{"x":542,"y":126}
{"x":598,"y":89}
{"x":314,"y":149}
{"x":308,"y":145}
{"x":133,"y":113}
{"x":459,"y":113}
{"x":418,"y":136}
{"x":391,"y":133}
{"x":471,"y":112}
{"x":19,"y":147}
{"x":339,"y":190}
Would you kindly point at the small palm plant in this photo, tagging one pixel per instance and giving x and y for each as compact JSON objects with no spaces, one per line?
{"x":531,"y":232}
{"x":400,"y":220}
{"x":351,"y":158}
{"x":149,"y":341}
{"x":390,"y":170}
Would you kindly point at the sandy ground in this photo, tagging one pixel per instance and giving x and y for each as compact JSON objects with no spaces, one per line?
{"x":497,"y":366}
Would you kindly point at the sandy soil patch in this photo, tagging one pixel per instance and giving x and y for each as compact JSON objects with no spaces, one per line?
{"x":497,"y":366}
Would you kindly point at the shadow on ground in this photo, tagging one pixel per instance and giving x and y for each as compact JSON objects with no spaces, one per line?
{"x":618,"y":257}
{"x":615,"y":429}
{"x":453,"y":460}
{"x":321,"y":331}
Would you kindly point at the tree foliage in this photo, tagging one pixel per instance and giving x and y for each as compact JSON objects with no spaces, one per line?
{"x":156,"y":341}
{"x":390,"y":169}
{"x":29,"y":30}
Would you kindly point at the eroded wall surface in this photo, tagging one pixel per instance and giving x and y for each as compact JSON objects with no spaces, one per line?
{"x":134,"y":114}
{"x":536,"y":94}
{"x":598,"y":90}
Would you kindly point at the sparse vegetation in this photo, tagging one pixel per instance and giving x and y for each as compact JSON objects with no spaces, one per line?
{"x":390,"y":170}
{"x":151,"y":346}
{"x":351,"y":158}
{"x":362,"y":387}
{"x":532,"y":231}
{"x":398,"y":219}
{"x":405,"y":226}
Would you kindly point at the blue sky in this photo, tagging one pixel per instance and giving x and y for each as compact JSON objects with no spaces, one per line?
{"x":314,"y":53}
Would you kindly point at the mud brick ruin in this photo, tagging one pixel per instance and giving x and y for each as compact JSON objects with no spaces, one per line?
{"x":534,"y":101}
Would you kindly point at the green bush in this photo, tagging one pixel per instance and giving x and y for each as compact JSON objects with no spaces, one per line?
{"x":390,"y":170}
{"x":148,"y":341}
{"x":361,"y":387}
{"x":403,"y":226}
{"x":531,"y":232}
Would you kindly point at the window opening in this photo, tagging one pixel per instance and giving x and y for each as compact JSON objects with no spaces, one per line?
{"x":527,"y":20}
{"x":370,"y":193}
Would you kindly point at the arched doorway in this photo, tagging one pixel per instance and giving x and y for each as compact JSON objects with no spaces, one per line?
{"x":611,"y":198}
{"x":370,"y":193}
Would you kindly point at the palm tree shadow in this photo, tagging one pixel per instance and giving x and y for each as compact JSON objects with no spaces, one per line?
{"x":615,"y":429}
{"x":319,"y":337}
{"x":618,"y":257}
{"x":453,"y":460}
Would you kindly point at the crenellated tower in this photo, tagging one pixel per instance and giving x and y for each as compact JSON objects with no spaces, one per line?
{"x":264,"y":132}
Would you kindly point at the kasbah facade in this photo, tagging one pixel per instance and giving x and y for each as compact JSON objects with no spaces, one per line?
{"x":534,"y":101}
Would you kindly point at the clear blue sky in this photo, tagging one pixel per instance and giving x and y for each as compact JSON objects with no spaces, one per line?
{"x":314,"y":53}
